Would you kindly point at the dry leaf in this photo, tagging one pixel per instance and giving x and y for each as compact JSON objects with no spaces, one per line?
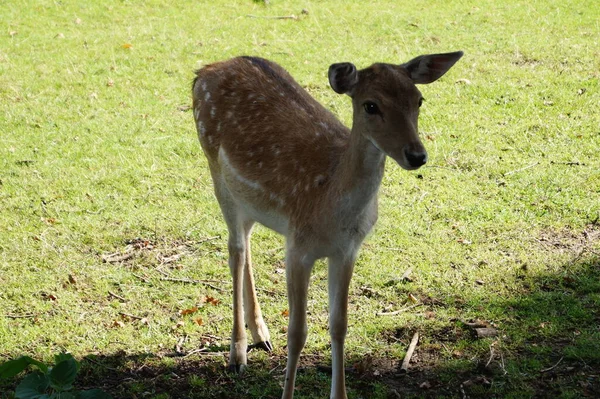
{"x":72,"y":279}
{"x":199,"y":321}
{"x":285,"y":313}
{"x":118,"y":323}
{"x":144,"y":321}
{"x":212,"y":301}
{"x":12,"y":33}
{"x":127,"y":45}
{"x":186,"y":312}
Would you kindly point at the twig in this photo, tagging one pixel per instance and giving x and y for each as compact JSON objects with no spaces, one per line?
{"x":21,"y":316}
{"x":118,"y":257}
{"x":131,"y":316}
{"x":273,"y":17}
{"x":395,"y":312}
{"x":117,"y":296}
{"x":522,"y":169}
{"x":144,"y":279}
{"x":409,"y":353}
{"x":553,"y":367}
{"x":190,"y":281}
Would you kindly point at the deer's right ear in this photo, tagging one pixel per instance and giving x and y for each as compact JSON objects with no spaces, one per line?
{"x":343,"y":77}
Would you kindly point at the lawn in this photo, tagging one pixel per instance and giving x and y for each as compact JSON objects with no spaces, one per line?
{"x":112,"y":246}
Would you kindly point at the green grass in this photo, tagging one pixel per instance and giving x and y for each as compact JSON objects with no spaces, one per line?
{"x":98,"y":149}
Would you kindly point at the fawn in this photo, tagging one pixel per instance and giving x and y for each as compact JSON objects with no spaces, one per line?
{"x":278,"y":157}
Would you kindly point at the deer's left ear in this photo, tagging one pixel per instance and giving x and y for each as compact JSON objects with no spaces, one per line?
{"x":343,"y":77}
{"x":431,"y":67}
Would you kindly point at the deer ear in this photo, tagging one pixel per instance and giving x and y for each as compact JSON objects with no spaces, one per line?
{"x":429,"y":68}
{"x":343,"y":77}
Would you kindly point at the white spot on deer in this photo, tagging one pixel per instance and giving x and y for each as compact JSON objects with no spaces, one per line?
{"x":307,"y":187}
{"x":201,"y":129}
{"x":281,"y":94}
{"x":324,"y":125}
{"x":277,"y":199}
{"x":260,"y":165}
{"x":197,"y":113}
{"x":203,"y":85}
{"x":207,"y":96}
{"x":213,"y":111}
{"x":319,"y":180}
{"x":225,"y":161}
{"x":251,"y":96}
{"x":228,"y":114}
{"x":219,"y":127}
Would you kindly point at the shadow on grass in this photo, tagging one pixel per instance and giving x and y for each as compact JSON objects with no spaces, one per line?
{"x":548,"y":346}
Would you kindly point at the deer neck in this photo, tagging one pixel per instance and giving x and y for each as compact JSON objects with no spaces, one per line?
{"x":359,"y":174}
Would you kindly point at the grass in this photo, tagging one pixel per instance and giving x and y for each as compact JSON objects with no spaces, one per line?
{"x":98,"y":152}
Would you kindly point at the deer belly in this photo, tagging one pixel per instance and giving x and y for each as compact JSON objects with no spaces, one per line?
{"x":254,"y":200}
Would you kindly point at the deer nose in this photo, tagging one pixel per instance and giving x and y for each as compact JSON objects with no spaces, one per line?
{"x":415,"y":158}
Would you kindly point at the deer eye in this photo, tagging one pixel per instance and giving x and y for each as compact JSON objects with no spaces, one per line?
{"x":371,"y":108}
{"x":421,"y":101}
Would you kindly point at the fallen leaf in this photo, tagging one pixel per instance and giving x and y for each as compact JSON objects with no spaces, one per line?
{"x":212,"y":301}
{"x":77,"y":21}
{"x":186,"y":312}
{"x":72,"y":279}
{"x":464,"y":81}
{"x":127,"y":45}
{"x":13,"y":33}
{"x":199,"y":321}
{"x":144,"y":321}
{"x":110,"y":83}
{"x":118,"y":324}
{"x":285,"y":313}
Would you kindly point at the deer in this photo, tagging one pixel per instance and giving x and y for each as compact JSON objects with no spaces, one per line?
{"x":278,"y":157}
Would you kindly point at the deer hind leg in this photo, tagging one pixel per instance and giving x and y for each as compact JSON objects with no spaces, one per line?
{"x":298,"y":269}
{"x":254,"y":319}
{"x":340,"y":274}
{"x":238,"y":239}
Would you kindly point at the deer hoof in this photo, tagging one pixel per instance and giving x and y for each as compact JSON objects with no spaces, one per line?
{"x":265,"y":345}
{"x":237,"y":368}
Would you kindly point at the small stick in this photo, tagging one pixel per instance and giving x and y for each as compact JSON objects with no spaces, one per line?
{"x":131,"y":316}
{"x":276,"y":17}
{"x":21,"y":316}
{"x":486,"y":332}
{"x":190,"y":281}
{"x":117,"y":257}
{"x":395,"y":312}
{"x":522,"y":169}
{"x":409,"y":353}
{"x":553,"y":367}
{"x":117,"y":296}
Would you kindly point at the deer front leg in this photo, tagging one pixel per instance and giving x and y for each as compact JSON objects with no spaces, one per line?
{"x":298,"y":269}
{"x":340,"y":274}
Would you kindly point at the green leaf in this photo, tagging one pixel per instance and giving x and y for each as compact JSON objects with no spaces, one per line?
{"x":33,"y":386}
{"x":65,"y":356}
{"x":13,"y":367}
{"x":63,"y":374}
{"x":94,"y":394}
